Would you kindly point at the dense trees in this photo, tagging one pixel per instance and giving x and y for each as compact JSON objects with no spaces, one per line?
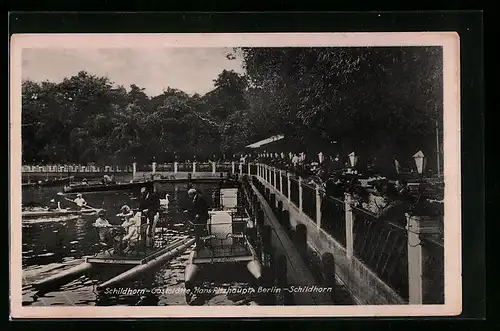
{"x":381,"y":102}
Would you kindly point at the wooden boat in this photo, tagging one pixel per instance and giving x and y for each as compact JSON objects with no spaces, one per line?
{"x":48,"y":182}
{"x":105,"y":187}
{"x":226,"y":244}
{"x":131,"y":265}
{"x":55,"y":213}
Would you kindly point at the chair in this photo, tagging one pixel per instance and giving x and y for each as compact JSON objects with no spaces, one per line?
{"x":106,"y":239}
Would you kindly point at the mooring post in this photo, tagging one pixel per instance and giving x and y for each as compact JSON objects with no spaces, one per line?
{"x":328,"y":263}
{"x":282,"y":279}
{"x":134,"y":169}
{"x":318,"y":206}
{"x":301,"y":239}
{"x":213,"y":167}
{"x":194,"y":167}
{"x":176,"y":166}
{"x":300,"y":194}
{"x":154,"y":167}
{"x":272,"y":201}
{"x":281,"y":182}
{"x":233,"y":168}
{"x":260,"y":217}
{"x":349,"y":222}
{"x":286,"y":219}
{"x":249,"y":171}
{"x":288,"y":187}
{"x":279,"y":211}
{"x":266,"y":238}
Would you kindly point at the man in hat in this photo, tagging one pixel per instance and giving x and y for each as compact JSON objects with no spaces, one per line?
{"x":198,"y":212}
{"x":150,"y":207}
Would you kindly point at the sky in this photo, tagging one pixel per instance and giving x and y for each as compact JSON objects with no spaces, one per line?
{"x":191,"y":70}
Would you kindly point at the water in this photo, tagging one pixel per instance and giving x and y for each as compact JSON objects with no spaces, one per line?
{"x":50,"y":245}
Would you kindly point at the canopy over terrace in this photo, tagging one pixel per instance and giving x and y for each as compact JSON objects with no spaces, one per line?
{"x":281,"y":143}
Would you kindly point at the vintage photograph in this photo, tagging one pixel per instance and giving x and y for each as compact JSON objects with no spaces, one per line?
{"x":176,"y":175}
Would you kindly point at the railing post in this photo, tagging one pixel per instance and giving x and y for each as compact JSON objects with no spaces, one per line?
{"x":232,"y":168}
{"x":300,"y":194}
{"x":274,"y":173}
{"x":134,"y":169}
{"x":281,"y":183}
{"x":194,"y":167}
{"x":318,"y":206}
{"x":176,"y":167}
{"x":241,"y":168}
{"x":154,"y":167}
{"x":349,"y":222}
{"x":288,"y":186}
{"x":249,"y":169}
{"x":213,"y":167}
{"x":416,"y":227}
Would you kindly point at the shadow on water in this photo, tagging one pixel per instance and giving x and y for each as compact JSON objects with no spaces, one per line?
{"x":50,"y":245}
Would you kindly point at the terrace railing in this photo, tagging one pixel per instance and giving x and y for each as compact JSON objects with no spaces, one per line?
{"x":381,"y":244}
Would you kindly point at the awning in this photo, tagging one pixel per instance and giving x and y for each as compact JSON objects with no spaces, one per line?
{"x":266,"y":141}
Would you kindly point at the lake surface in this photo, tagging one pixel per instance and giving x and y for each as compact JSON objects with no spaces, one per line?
{"x":50,"y":245}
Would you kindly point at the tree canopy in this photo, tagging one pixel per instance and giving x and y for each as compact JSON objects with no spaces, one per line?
{"x":383,"y":103}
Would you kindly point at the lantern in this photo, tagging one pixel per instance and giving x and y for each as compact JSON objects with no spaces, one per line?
{"x":353,"y":159}
{"x":420,"y":161}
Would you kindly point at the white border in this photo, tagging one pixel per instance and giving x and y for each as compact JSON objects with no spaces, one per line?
{"x":451,"y":145}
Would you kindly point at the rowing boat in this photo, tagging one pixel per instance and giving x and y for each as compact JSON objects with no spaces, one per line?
{"x":50,"y":213}
{"x":105,"y":187}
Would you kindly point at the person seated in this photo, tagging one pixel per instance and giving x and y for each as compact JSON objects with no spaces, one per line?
{"x":80,"y":201}
{"x":53,"y":205}
{"x":125,"y":212}
{"x":132,"y":236}
{"x":103,"y":227}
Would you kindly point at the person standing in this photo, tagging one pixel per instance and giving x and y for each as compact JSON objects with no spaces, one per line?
{"x":149,"y":206}
{"x":198,"y":213}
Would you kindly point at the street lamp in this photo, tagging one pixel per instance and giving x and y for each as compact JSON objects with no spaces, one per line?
{"x":420,"y":161}
{"x":353,"y":159}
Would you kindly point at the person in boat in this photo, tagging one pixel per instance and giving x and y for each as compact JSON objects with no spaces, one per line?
{"x":80,"y":201}
{"x":132,"y":234}
{"x":85,"y":182}
{"x":125,"y":213}
{"x":55,"y":204}
{"x":106,"y":179}
{"x":103,"y":226}
{"x":198,"y":213}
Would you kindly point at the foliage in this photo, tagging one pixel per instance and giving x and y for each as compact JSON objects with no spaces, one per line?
{"x":382,"y":103}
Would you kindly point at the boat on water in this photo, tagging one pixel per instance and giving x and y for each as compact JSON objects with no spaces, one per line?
{"x":55,"y":213}
{"x":226,"y":245}
{"x":48,"y":182}
{"x":80,"y":188}
{"x":147,"y":253}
